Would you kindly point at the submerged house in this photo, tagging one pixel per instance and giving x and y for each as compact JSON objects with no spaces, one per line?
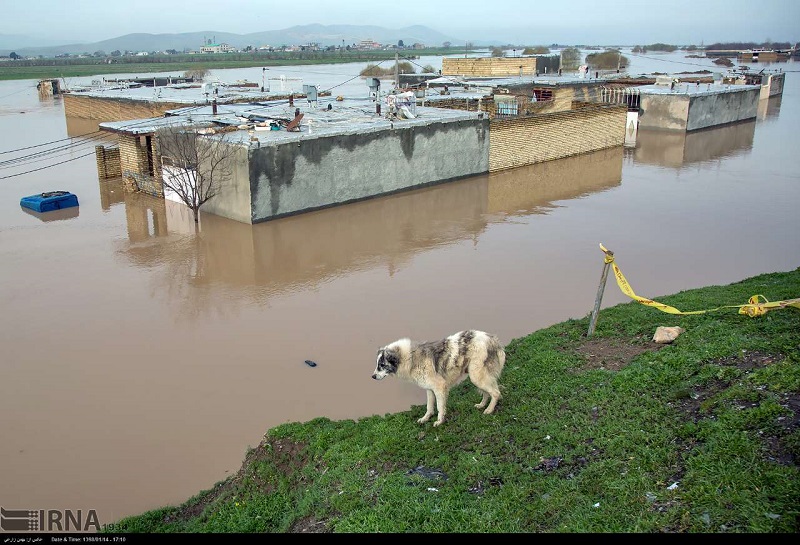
{"x":771,"y":82}
{"x":350,"y":151}
{"x":670,"y":104}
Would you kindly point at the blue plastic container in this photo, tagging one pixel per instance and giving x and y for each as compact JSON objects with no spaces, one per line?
{"x":47,"y":202}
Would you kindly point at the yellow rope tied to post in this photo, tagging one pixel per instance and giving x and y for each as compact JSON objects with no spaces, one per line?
{"x":753,"y":308}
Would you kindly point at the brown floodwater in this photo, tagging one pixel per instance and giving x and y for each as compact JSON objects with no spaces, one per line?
{"x":141,"y":359}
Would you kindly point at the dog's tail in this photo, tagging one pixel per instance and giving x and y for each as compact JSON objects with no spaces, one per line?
{"x":495,"y":356}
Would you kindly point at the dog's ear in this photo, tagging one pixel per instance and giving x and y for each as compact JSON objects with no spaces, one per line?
{"x":391,"y":357}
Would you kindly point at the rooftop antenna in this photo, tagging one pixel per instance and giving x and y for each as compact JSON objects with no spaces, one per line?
{"x":374,"y":85}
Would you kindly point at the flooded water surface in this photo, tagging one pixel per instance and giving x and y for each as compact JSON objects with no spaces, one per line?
{"x":141,"y":359}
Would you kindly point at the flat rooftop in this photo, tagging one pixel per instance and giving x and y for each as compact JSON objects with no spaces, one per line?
{"x":694,"y":89}
{"x":346,"y":117}
{"x":250,"y":91}
{"x":194,"y":93}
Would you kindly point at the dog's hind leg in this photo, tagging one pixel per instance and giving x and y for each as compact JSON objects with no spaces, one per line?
{"x":495,"y":393}
{"x":429,"y":411}
{"x":487,"y":384}
{"x":441,"y":405}
{"x":484,"y":400}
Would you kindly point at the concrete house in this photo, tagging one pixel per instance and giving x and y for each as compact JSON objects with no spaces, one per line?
{"x":351,"y":152}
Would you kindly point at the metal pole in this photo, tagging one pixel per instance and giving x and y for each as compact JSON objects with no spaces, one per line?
{"x":396,"y":71}
{"x":600,"y":289}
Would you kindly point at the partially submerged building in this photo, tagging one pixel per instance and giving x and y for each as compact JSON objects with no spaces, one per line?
{"x":681,"y":106}
{"x":771,"y":82}
{"x":491,"y":67}
{"x":353,"y":152}
{"x":126,"y":100}
{"x":48,"y":88}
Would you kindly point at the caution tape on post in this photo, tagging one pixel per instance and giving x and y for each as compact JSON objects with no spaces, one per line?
{"x":757,"y":305}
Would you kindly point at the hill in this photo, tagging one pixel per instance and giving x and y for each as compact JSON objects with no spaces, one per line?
{"x":298,"y":35}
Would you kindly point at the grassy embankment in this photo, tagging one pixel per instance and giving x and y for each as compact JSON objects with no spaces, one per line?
{"x":612,"y":433}
{"x":177,"y":64}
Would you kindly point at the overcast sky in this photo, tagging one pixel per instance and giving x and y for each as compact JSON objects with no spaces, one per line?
{"x":519,"y":21}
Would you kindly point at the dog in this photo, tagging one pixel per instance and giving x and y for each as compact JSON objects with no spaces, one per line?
{"x":437,"y":366}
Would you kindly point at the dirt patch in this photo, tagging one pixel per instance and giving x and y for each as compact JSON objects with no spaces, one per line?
{"x":776,"y":446}
{"x":748,"y":360}
{"x":288,"y":457}
{"x":309,"y":525}
{"x":613,"y":353}
{"x":189,"y":512}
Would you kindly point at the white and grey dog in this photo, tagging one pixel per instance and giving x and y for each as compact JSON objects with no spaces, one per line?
{"x":437,"y":366}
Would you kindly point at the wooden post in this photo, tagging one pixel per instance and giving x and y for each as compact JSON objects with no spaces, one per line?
{"x":600,"y":289}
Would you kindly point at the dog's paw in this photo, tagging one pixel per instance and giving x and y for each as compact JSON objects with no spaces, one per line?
{"x":438,"y":423}
{"x":480,"y":405}
{"x":422,"y":420}
{"x":488,"y":411}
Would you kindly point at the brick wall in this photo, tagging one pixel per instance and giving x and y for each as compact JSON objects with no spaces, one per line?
{"x":135,"y":165}
{"x":124,"y":109}
{"x":562,"y":100}
{"x":533,"y":139}
{"x":489,"y":67}
{"x":468,"y":104}
{"x":114,"y":109}
{"x":108,"y":162}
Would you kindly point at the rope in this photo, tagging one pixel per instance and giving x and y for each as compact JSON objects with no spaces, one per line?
{"x":753,"y":308}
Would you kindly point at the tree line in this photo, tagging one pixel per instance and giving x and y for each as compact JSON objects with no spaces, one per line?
{"x":274,"y":56}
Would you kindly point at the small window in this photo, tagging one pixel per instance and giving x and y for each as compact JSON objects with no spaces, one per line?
{"x":507,"y":108}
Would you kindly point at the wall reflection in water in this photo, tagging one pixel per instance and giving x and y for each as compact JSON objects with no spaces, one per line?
{"x":303,"y":251}
{"x":54,"y":215}
{"x":769,"y":109}
{"x":111,"y":193}
{"x":679,"y":149}
{"x":77,"y":126}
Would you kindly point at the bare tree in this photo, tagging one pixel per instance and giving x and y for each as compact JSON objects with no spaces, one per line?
{"x":570,"y":58}
{"x":197,"y":73}
{"x":194,"y":166}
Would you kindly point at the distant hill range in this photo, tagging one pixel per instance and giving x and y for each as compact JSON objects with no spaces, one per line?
{"x":324,"y":35}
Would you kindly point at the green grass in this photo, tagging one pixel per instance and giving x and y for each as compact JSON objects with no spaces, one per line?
{"x":74,"y":67}
{"x":572,"y":447}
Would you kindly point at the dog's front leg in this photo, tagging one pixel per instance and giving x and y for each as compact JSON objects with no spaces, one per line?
{"x":441,"y":406}
{"x":429,"y":411}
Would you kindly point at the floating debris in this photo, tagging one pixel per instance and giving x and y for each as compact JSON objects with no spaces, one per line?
{"x":311,"y":363}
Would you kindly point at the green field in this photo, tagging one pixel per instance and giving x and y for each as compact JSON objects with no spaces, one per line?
{"x":177,"y":64}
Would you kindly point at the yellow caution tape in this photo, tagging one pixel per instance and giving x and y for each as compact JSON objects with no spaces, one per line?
{"x":753,"y":308}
